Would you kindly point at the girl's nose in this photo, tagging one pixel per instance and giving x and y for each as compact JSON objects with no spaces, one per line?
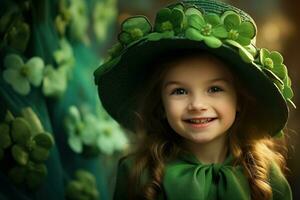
{"x":197,"y":103}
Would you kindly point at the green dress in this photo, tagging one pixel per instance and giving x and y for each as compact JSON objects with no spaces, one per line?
{"x":187,"y":178}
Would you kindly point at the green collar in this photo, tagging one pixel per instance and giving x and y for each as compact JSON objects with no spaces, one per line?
{"x":191,"y":158}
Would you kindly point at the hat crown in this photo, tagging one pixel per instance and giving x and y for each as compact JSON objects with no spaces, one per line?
{"x":218,"y":7}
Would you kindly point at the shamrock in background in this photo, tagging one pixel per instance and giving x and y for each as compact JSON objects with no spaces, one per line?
{"x":62,"y":20}
{"x":54,"y":81}
{"x":94,"y":131}
{"x":29,"y":146}
{"x":16,"y":31}
{"x":242,"y":32}
{"x":64,"y":56}
{"x":112,"y":138}
{"x":33,"y":174}
{"x":82,"y":187}
{"x":208,"y":28}
{"x":20,"y":75}
{"x":103,"y":14}
{"x":79,"y":20}
{"x":133,"y":29}
{"x":30,"y":141}
{"x":74,"y":126}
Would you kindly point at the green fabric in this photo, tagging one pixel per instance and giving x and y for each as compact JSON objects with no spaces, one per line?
{"x":62,"y":162}
{"x":187,"y":178}
{"x":280,"y":186}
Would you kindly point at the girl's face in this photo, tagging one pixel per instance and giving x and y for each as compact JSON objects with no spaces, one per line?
{"x":199,"y":99}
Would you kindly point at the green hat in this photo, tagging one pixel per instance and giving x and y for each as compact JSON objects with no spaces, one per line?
{"x":205,"y":25}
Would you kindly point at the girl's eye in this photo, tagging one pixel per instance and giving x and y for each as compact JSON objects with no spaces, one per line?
{"x":179,"y":91}
{"x":214,"y":89}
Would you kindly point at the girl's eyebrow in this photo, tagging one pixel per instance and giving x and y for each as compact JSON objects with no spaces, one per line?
{"x":219,"y":79}
{"x":172,"y":83}
{"x":208,"y":81}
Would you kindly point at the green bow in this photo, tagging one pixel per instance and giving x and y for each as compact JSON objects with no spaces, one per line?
{"x":187,"y":178}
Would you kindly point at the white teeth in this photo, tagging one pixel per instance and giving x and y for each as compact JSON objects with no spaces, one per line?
{"x":202,"y":121}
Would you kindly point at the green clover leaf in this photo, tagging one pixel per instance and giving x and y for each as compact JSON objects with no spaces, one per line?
{"x":31,"y":117}
{"x":20,"y":154}
{"x":288,"y":91}
{"x":111,"y":137}
{"x":35,"y":174}
{"x":75,"y":144}
{"x":44,"y":140}
{"x":104,"y":13}
{"x":79,"y":20}
{"x":242,"y":32}
{"x":6,"y":18}
{"x":74,"y":127}
{"x":170,"y":19}
{"x":207,"y":28}
{"x":85,"y":177}
{"x":88,"y":131}
{"x":20,"y":75}
{"x":62,"y":20}
{"x":274,"y":62}
{"x":30,"y":148}
{"x":18,"y":35}
{"x":192,"y":11}
{"x":20,"y":131}
{"x":39,"y":154}
{"x":251,"y":49}
{"x":55,"y":81}
{"x":74,"y":190}
{"x":133,"y":29}
{"x":82,"y":187}
{"x":9,"y":117}
{"x":60,"y":24}
{"x":64,"y":56}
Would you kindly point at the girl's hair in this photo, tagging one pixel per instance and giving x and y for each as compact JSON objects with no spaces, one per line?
{"x":251,"y":146}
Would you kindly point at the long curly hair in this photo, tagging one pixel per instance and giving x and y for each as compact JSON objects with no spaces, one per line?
{"x":157,"y":143}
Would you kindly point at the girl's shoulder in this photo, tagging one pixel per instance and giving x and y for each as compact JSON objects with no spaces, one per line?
{"x":122,"y":177}
{"x":280,"y":186}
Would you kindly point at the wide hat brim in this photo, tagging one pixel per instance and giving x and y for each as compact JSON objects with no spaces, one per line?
{"x":127,"y":73}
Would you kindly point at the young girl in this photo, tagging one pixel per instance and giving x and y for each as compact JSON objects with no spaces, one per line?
{"x":207,"y":105}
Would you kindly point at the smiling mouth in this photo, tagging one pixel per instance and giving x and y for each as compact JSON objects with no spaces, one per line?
{"x":200,"y":121}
